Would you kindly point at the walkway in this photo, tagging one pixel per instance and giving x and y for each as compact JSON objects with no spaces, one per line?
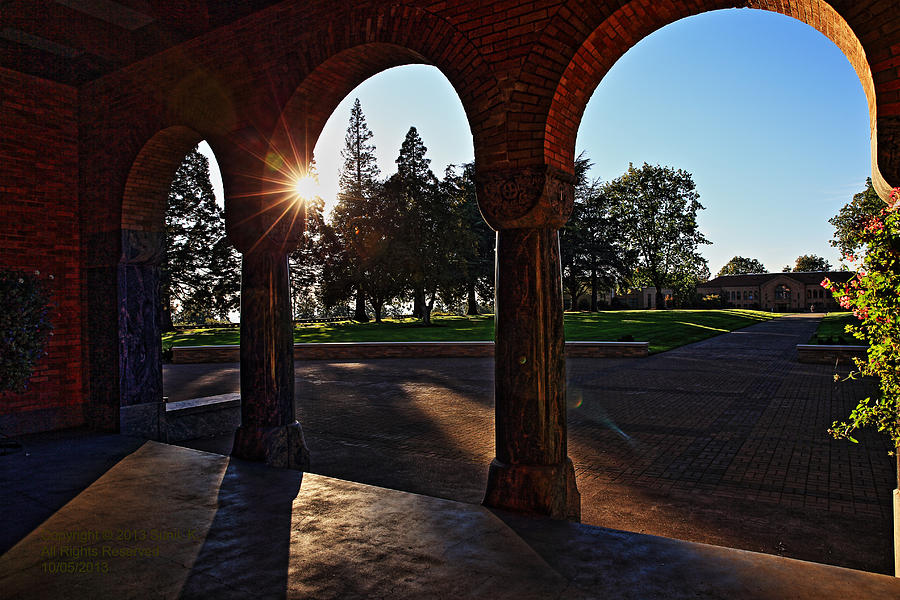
{"x":722,"y":442}
{"x":167,"y":522}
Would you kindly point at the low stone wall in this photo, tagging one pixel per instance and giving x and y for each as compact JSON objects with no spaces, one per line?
{"x":829,"y":354}
{"x":201,"y":417}
{"x":364,"y":350}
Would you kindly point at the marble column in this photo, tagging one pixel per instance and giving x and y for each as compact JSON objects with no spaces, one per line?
{"x":531,"y":471}
{"x":140,"y":346}
{"x":269,"y":431}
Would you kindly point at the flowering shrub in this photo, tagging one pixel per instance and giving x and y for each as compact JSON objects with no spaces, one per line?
{"x":24,"y":327}
{"x":874,"y":297}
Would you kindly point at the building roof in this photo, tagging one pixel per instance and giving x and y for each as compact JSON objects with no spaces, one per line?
{"x":757,"y":279}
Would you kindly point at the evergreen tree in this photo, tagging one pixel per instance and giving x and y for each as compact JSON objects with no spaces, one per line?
{"x":428,"y":248}
{"x":573,"y":275}
{"x":594,"y":252}
{"x":358,"y":180}
{"x":475,"y":241}
{"x":201,"y":274}
{"x":307,"y":260}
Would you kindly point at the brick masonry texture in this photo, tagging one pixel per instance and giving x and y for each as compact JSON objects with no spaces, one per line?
{"x":80,"y":165}
{"x":39,"y":232}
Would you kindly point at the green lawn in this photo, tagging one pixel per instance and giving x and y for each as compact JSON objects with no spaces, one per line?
{"x":663,"y":329}
{"x":831,"y":330}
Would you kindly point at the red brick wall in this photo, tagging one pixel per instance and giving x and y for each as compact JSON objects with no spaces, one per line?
{"x":39,"y":231}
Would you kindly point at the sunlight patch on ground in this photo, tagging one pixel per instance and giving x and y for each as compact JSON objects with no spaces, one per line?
{"x":701,"y":326}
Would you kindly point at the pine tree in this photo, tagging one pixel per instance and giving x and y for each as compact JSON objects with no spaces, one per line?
{"x":200,"y":278}
{"x":358,"y":181}
{"x":475,"y":241}
{"x":427,"y":243}
{"x":307,"y":260}
{"x":594,"y":252}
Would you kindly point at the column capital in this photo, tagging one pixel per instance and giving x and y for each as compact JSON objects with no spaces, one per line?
{"x":527,"y":197}
{"x":262,"y":226}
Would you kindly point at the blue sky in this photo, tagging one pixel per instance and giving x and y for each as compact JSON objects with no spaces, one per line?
{"x":763,"y":110}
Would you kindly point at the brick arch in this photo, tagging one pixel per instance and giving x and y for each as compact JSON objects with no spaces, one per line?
{"x":150,"y":177}
{"x":363,"y":43}
{"x":607,"y":35}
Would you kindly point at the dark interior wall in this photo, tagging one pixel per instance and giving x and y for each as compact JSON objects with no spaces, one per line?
{"x":39,"y":232}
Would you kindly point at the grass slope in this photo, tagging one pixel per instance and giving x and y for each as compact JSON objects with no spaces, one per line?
{"x":831,"y":330}
{"x":663,"y":329}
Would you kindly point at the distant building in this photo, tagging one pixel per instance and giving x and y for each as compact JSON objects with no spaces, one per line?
{"x":779,"y":292}
{"x":641,"y":298}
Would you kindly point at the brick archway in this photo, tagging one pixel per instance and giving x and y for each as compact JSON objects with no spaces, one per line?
{"x":138,"y":278}
{"x":606,"y":35}
{"x":372,"y":42}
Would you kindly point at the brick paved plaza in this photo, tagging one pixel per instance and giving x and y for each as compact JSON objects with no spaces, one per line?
{"x":723,"y":441}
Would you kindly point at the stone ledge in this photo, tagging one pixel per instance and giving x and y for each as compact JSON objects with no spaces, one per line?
{"x":361,"y":350}
{"x":829,"y":353}
{"x":201,"y":417}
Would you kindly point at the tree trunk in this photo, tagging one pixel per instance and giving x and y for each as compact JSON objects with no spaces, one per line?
{"x":377,"y":308}
{"x":472,"y":302}
{"x":165,"y":302}
{"x":165,"y":322}
{"x":593,"y":288}
{"x":418,"y":301}
{"x":426,"y":314}
{"x":359,"y":314}
{"x":660,"y":299}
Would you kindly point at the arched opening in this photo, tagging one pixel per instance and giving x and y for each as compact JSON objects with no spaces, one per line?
{"x":142,"y":276}
{"x":663,"y":469}
{"x":400,"y":398}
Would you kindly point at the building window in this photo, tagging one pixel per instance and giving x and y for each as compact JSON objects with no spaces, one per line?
{"x":782,"y":293}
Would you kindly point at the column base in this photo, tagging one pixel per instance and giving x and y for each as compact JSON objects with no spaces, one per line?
{"x":281,"y":446}
{"x":547,"y":490}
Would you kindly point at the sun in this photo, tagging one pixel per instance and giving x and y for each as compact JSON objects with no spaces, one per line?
{"x":306,"y":187}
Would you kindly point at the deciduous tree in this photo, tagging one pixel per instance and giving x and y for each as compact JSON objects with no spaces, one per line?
{"x":742,"y":266}
{"x":852,"y":218}
{"x":811,"y":262}
{"x":658,"y":207}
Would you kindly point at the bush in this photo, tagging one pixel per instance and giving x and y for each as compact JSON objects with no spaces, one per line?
{"x":24,"y":327}
{"x":874,"y":296}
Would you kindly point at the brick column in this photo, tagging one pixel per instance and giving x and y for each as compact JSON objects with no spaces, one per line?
{"x":531,"y":471}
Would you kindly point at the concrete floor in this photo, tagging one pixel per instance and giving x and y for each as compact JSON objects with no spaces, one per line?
{"x":722,"y":442}
{"x":170,"y":522}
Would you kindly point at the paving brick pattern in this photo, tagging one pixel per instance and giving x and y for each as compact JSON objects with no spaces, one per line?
{"x":723,"y":441}
{"x":734,"y":415}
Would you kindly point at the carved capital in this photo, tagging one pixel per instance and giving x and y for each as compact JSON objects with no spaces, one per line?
{"x":530,"y":197}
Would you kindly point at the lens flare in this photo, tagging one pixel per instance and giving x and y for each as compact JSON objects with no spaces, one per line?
{"x":306,"y":187}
